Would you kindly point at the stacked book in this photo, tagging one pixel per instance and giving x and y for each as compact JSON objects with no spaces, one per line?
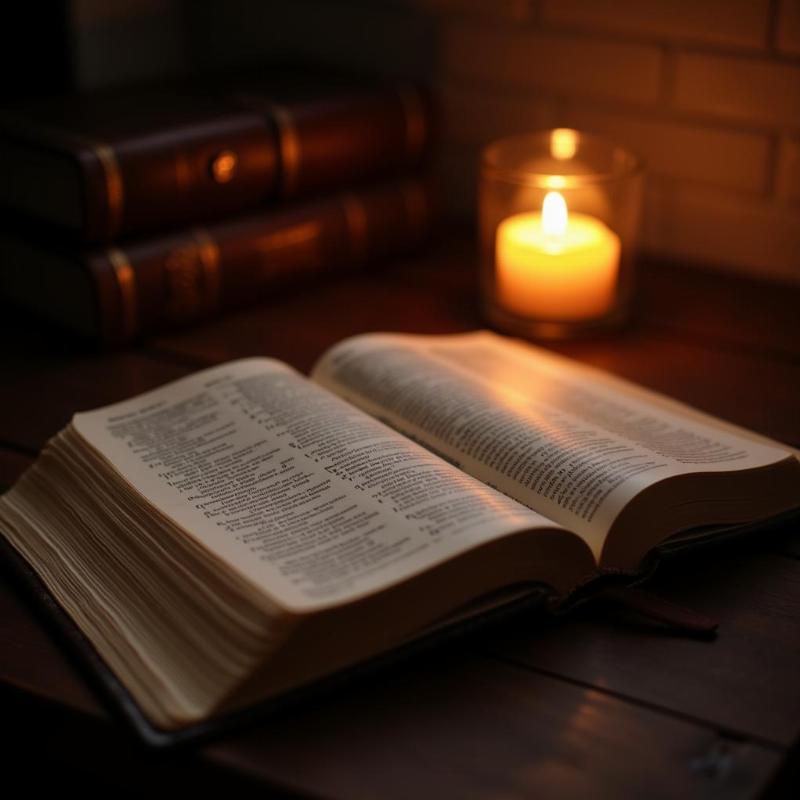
{"x":139,"y":211}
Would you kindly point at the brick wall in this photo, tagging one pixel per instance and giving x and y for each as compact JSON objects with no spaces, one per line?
{"x":708,"y":91}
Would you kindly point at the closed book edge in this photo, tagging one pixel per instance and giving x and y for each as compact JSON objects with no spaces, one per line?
{"x":155,"y":158}
{"x":142,"y":287}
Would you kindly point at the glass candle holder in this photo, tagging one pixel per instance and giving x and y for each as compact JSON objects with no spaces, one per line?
{"x":559,"y":218}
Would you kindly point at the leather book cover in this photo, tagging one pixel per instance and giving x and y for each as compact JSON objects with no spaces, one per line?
{"x":140,"y":287}
{"x":112,"y":164}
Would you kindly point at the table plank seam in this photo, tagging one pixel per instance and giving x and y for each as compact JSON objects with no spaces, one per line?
{"x":722,"y":730}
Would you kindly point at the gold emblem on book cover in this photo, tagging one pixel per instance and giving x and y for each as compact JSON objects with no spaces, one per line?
{"x":223,"y":166}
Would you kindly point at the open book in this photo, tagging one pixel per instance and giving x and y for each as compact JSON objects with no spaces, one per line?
{"x":245,"y":530}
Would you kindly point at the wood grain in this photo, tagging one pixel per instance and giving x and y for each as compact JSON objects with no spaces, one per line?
{"x":454,"y":726}
{"x":744,"y":682}
{"x":466,"y":727}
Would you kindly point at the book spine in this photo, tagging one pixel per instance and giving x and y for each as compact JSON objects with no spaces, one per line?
{"x":212,"y":169}
{"x":330,"y":143}
{"x":252,"y":150}
{"x":156,"y":285}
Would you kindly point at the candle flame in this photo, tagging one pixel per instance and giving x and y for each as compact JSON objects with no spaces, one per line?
{"x":554,"y":214}
{"x":563,"y":143}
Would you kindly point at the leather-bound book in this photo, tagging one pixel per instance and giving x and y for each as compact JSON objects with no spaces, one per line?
{"x":114,"y":295}
{"x":114,"y":164}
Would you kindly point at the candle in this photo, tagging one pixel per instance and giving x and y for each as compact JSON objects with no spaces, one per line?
{"x":556,"y":265}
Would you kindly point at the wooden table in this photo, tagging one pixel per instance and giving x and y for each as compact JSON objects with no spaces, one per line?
{"x":587,"y":706}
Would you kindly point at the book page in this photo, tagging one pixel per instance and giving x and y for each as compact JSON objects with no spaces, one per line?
{"x":531,"y":425}
{"x":306,"y":496}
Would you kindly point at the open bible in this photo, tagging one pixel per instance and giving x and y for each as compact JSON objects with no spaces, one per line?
{"x":244,"y":531}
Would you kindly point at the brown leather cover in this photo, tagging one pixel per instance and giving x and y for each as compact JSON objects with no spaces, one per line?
{"x":152,"y":159}
{"x":147,"y":286}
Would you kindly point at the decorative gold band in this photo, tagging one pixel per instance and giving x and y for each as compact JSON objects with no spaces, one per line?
{"x":416,"y":122}
{"x":208,"y":251}
{"x":115,"y":193}
{"x":289,"y":148}
{"x":129,"y":302}
{"x":357,"y":225}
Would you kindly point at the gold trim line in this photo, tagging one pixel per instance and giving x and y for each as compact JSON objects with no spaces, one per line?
{"x":115,"y":190}
{"x":209,"y":256}
{"x":289,"y":148}
{"x":129,"y":301}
